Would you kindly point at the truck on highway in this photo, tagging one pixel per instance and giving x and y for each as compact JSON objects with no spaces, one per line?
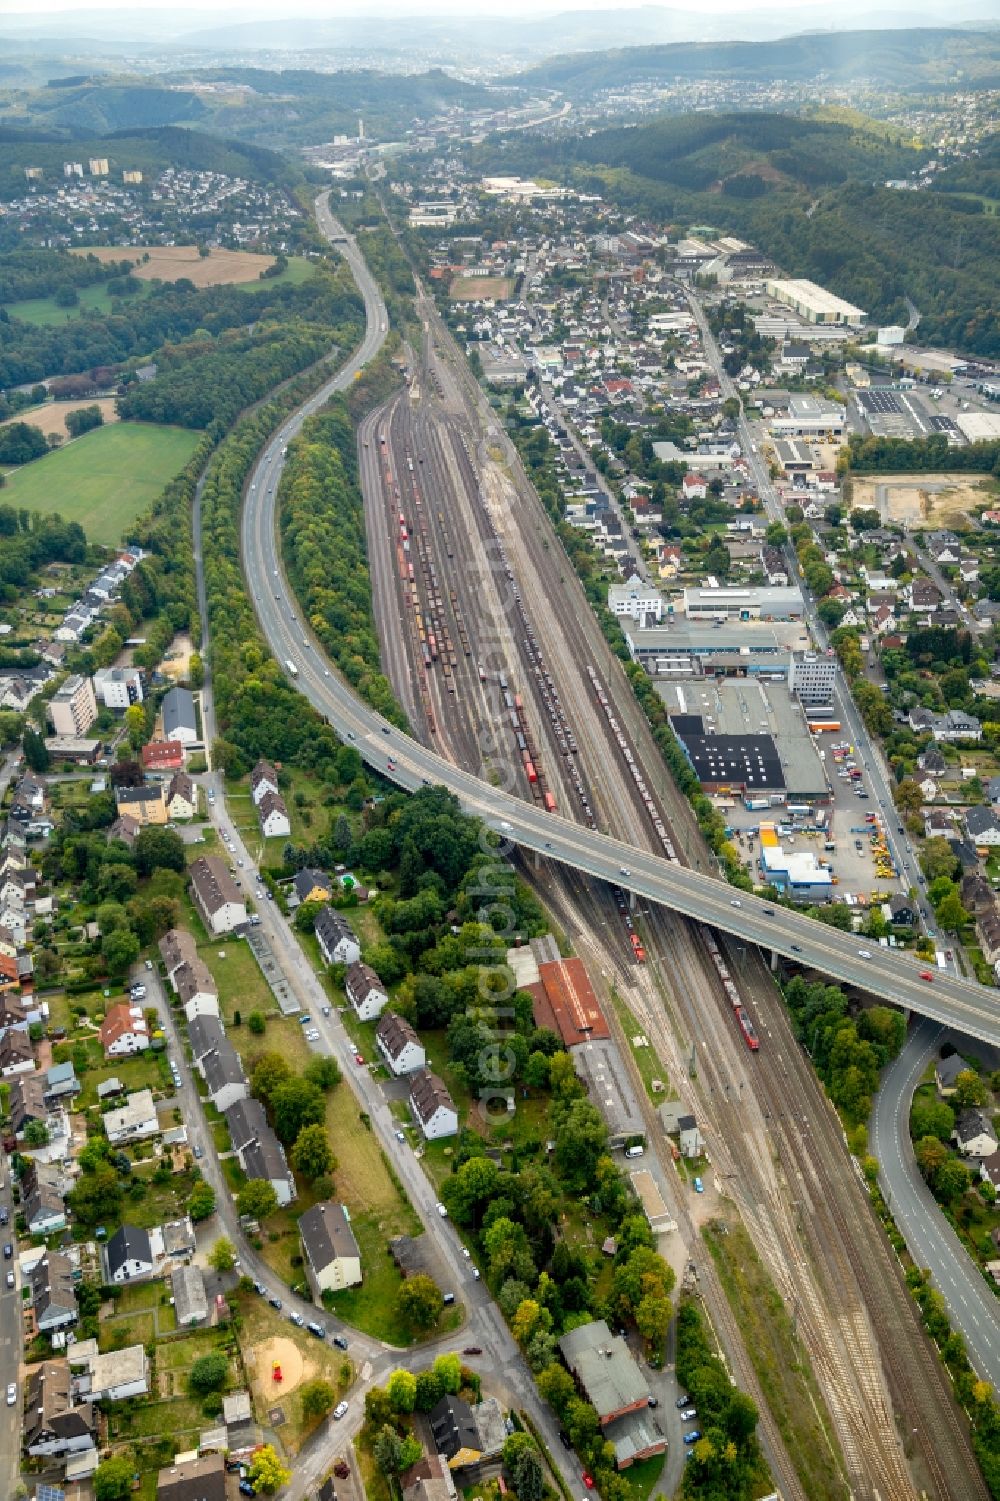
{"x":292,"y":669}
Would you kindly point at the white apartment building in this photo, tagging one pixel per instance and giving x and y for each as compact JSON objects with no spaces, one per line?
{"x":74,"y":708}
{"x":118,"y":687}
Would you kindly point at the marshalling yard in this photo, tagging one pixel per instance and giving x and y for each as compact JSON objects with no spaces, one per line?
{"x":500,"y":665}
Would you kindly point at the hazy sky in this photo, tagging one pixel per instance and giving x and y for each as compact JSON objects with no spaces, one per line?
{"x":249,"y":10}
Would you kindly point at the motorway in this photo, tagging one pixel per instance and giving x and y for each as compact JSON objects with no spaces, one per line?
{"x":509,"y":1376}
{"x":972,"y":1307}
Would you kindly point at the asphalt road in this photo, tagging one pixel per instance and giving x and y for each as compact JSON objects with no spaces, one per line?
{"x":972,"y":1307}
{"x":10,"y":1349}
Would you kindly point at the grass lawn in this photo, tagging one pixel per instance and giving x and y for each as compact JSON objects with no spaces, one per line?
{"x":44,"y":312}
{"x":372,"y":1306}
{"x":645,"y":1056}
{"x":148,"y":1070}
{"x":298,"y":270}
{"x":780,"y":1362}
{"x":643,"y":1475}
{"x":242,"y":987}
{"x":105,"y":479}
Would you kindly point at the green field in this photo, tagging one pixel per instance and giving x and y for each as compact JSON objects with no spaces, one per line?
{"x":105,"y":479}
{"x":45,"y":312}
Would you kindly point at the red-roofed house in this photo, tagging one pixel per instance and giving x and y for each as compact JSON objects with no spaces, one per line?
{"x":124,"y":1031}
{"x":694,"y":486}
{"x":163,"y":755}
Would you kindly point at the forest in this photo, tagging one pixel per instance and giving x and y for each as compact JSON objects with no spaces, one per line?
{"x":149,"y":149}
{"x":170,"y":313}
{"x":323,"y":541}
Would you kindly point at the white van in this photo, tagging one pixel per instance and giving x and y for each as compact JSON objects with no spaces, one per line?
{"x":634,"y":1151}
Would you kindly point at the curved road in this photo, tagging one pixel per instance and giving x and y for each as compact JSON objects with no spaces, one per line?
{"x":962,"y":1005}
{"x":973,"y":1309}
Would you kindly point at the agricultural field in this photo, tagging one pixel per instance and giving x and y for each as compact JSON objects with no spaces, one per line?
{"x":51,"y":418}
{"x":105,"y":479}
{"x":217,"y":269}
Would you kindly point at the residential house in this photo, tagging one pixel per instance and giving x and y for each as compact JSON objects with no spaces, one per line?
{"x":162,"y":758}
{"x":128,"y":1255}
{"x":428,"y":1480}
{"x":55,"y":1425}
{"x":27,"y":1103}
{"x":176,"y":948}
{"x":983,"y":827}
{"x":124,"y":1031}
{"x":126,"y":828}
{"x":53,"y":1294}
{"x":974,"y":1133}
{"x":178,"y":1239}
{"x":182,"y":796}
{"x":222,"y":1071}
{"x":273,"y":814}
{"x":774,"y":565}
{"x":432,"y":1106}
{"x":260,"y":1152}
{"x":337,"y":941}
{"x":263,"y":779}
{"x":180,"y":721}
{"x":145,"y":805}
{"x":13,"y":1017}
{"x":43,"y":1204}
{"x":399,"y":1044}
{"x":365,"y":992}
{"x":205,"y":1033}
{"x":187,"y":1283}
{"x":467,"y":1435}
{"x":312,"y":885}
{"x":60,"y":1083}
{"x":694,"y":486}
{"x":690,"y":1139}
{"x":988,"y":933}
{"x":216,"y":895}
{"x":133,"y":1121}
{"x":901,"y":911}
{"x":16,"y":1056}
{"x":976,"y":894}
{"x":331,"y":1256}
{"x":925,"y":597}
{"x":193,"y":1479}
{"x":196,"y":989}
{"x":111,"y":1377}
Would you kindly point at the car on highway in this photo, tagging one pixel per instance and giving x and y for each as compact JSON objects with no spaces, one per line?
{"x":624,"y":871}
{"x":768,"y":911}
{"x":864,"y":953}
{"x":390,"y":765}
{"x":699,"y":1187}
{"x":11,"y":1393}
{"x":735,"y":902}
{"x":925,"y":974}
{"x":692,"y":1437}
{"x":796,"y":949}
{"x":442,"y":1211}
{"x":340,"y":1410}
{"x":385,"y":729}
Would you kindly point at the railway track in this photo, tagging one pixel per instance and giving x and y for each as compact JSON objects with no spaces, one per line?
{"x":840,"y":1303}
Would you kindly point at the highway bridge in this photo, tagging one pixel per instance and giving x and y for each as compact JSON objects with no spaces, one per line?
{"x":962,"y":1005}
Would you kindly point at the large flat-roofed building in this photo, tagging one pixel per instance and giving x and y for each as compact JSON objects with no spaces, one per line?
{"x":810,"y":417}
{"x":683,"y":648}
{"x":747,"y":602}
{"x":605,"y":1369}
{"x":812,"y":302}
{"x":748,"y":737}
{"x":635,"y":599}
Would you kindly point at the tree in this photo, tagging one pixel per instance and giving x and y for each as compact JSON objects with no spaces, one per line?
{"x":256,"y":1023}
{"x":387,"y":1449}
{"x":135,"y":725}
{"x":222,"y":1257}
{"x":401,"y":1390}
{"x":317,"y":1398}
{"x":951,"y":1180}
{"x":120,"y":950}
{"x":257,"y":1199}
{"x":909,"y":798}
{"x":931,"y":1155}
{"x":951,"y":914}
{"x":932,"y":1118}
{"x":938,"y":859}
{"x":267,"y":1473}
{"x":158,"y":849}
{"x":36,"y":1134}
{"x":581,"y":1138}
{"x":36,"y":754}
{"x":209,"y":1373}
{"x":969,"y":1089}
{"x":295,"y":1104}
{"x":113,"y":1478}
{"x":429,"y":1391}
{"x":652,"y":1318}
{"x":448,"y":1370}
{"x":419,"y":1302}
{"x":524,"y":1466}
{"x":322,"y":1070}
{"x":202,"y":1201}
{"x":312,"y":1154}
{"x":270,"y":1071}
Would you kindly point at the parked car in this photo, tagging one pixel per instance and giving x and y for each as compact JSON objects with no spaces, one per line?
{"x":472,"y":1350}
{"x":682,"y":1401}
{"x":442,"y":1211}
{"x":340,"y":1341}
{"x":11,"y":1394}
{"x":688,"y":1413}
{"x":692,"y":1437}
{"x":588,"y":1480}
{"x":275,"y":1302}
{"x":340,"y":1410}
{"x":699,"y":1187}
